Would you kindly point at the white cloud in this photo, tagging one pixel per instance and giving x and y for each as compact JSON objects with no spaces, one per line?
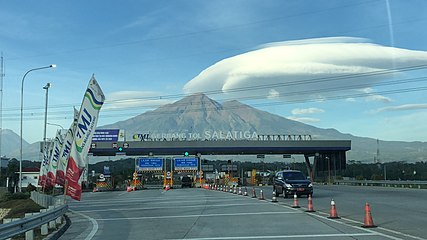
{"x":133,"y":99}
{"x":350,"y":100}
{"x":291,"y":67}
{"x":299,"y":111}
{"x":378,"y":98}
{"x":304,"y":119}
{"x":404,"y":107}
{"x":273,"y":94}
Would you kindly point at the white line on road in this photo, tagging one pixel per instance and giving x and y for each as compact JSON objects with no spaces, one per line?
{"x":170,"y":207}
{"x":94,"y":225}
{"x":196,"y":215}
{"x":346,"y":224}
{"x":133,"y":203}
{"x":287,"y":236}
{"x":144,"y":199}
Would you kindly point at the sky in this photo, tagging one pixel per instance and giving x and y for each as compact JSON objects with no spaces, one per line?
{"x":325,"y":63}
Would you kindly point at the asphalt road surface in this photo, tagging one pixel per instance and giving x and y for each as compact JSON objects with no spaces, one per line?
{"x":209,"y":214}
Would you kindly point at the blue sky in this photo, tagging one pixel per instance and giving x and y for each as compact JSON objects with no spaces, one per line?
{"x":148,"y":49}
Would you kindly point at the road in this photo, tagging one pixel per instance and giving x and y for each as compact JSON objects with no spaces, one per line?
{"x":208,"y":214}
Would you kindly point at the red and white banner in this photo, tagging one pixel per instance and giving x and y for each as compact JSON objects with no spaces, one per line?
{"x":53,"y":162}
{"x":45,"y":164}
{"x":65,"y":152}
{"x":86,"y":124}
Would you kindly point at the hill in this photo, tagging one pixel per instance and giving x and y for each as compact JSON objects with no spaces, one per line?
{"x":197,"y":115}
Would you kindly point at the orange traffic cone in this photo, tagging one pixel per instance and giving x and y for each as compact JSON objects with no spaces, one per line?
{"x":167,"y":187}
{"x":333,"y":213}
{"x":295,"y":205}
{"x":253,"y":193}
{"x":310,"y":205}
{"x":368,"y":222}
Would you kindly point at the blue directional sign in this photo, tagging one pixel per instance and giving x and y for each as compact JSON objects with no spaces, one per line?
{"x":150,"y":164}
{"x":186,"y":164}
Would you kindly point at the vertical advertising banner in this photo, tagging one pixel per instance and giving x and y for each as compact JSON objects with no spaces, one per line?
{"x":85,"y":128}
{"x":63,"y":157}
{"x":44,"y":165}
{"x":53,"y":162}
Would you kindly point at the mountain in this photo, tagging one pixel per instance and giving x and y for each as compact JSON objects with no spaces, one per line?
{"x":201,"y":116}
{"x":10,"y":143}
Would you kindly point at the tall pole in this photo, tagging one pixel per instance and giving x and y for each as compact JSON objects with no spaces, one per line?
{"x":45,"y":118}
{"x":1,"y":108}
{"x":22,"y":113}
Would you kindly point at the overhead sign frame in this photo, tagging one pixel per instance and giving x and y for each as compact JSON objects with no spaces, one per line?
{"x":186,"y":164}
{"x":150,"y":164}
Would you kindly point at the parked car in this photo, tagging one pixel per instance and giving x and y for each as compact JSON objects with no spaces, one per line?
{"x":289,"y":182}
{"x":186,"y":182}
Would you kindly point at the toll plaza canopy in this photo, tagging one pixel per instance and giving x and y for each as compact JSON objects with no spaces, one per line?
{"x":324,"y":152}
{"x":221,"y":147}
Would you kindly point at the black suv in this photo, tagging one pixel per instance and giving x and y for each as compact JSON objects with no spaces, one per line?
{"x":289,"y":182}
{"x":186,"y":182}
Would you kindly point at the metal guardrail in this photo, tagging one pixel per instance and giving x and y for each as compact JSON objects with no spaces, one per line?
{"x":23,"y":225}
{"x":383,"y":183}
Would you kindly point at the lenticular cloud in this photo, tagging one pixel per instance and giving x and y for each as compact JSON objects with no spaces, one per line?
{"x":305,"y":68}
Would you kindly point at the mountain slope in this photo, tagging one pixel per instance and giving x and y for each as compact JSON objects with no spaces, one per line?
{"x":11,"y":143}
{"x":198,"y":114}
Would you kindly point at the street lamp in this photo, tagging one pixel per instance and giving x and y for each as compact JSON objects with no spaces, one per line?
{"x":22,"y":111}
{"x":54,"y":124}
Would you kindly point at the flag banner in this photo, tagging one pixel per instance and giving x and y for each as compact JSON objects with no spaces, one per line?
{"x":85,"y":128}
{"x":65,"y":152}
{"x":45,"y":164}
{"x":53,"y":162}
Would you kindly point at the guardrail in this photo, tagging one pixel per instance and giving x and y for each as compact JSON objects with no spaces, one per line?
{"x":384,"y":183}
{"x":27,"y":224}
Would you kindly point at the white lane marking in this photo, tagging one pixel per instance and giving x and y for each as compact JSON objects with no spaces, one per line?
{"x":142,"y":194}
{"x":143,"y":199}
{"x":94,"y":225}
{"x":170,"y":207}
{"x":384,"y":229}
{"x":195,"y":215}
{"x":168,"y":202}
{"x":343,"y":223}
{"x":287,"y":236}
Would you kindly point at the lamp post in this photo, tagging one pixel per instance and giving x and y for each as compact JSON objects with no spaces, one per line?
{"x":54,"y":124}
{"x":22,"y":111}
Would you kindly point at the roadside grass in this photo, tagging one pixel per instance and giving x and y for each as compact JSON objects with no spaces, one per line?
{"x":19,"y":204}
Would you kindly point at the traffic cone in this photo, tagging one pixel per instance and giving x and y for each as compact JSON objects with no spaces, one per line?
{"x":231,"y":189}
{"x":167,"y":187}
{"x":240,"y":191}
{"x":235,"y":190}
{"x":94,"y":189}
{"x":261,"y":195}
{"x":274,"y":199}
{"x":310,"y":205}
{"x":295,"y":205}
{"x":245,"y":193}
{"x":368,"y":222}
{"x":333,"y":213}
{"x":253,"y":193}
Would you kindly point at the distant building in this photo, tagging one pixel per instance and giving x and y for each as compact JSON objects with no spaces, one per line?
{"x":30,"y":175}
